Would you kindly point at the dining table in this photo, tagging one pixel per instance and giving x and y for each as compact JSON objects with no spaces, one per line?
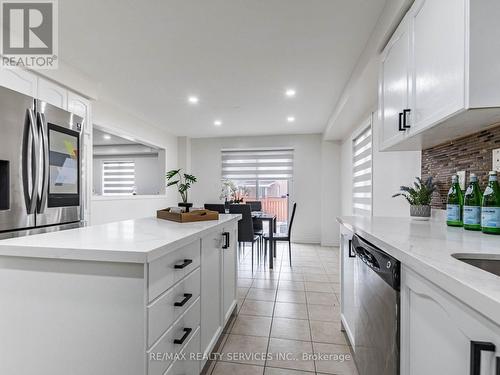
{"x":271,"y":219}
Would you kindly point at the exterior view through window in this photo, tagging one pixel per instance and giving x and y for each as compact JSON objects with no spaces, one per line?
{"x":262,"y":175}
{"x":118,"y":178}
{"x":362,"y":173}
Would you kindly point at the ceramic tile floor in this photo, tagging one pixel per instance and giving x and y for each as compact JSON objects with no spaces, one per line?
{"x":286,"y":316}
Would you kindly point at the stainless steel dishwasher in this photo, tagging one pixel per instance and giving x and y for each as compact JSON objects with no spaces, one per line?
{"x":377,"y":293}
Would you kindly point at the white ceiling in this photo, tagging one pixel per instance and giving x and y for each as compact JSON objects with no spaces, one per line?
{"x":238,"y":56}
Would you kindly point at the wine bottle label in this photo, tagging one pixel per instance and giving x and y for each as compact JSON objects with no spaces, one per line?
{"x":490,"y":217}
{"x":472,"y":215}
{"x":453,"y":212}
{"x":469,"y":190}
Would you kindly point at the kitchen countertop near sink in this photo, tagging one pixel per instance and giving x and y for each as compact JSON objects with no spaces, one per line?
{"x":427,"y":248}
{"x":132,"y":241}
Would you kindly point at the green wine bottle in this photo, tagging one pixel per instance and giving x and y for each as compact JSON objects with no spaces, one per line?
{"x":490,"y":211}
{"x":472,"y":205}
{"x":454,"y":204}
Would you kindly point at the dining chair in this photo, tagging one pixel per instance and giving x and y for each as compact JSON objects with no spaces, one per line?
{"x":245,"y":226}
{"x":258,"y":227}
{"x":215,"y":207}
{"x":283,"y":237}
{"x":255,"y":205}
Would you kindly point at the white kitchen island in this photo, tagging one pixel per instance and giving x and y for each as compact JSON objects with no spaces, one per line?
{"x":130,"y":298}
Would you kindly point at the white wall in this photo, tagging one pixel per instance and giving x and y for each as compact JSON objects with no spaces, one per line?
{"x":315,"y":164}
{"x":390,"y":171}
{"x":118,"y":121}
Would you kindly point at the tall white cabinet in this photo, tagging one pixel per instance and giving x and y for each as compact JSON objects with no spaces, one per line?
{"x":29,"y":83}
{"x":438,"y":73}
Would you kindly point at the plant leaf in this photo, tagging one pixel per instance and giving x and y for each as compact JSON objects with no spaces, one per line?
{"x":172,"y":183}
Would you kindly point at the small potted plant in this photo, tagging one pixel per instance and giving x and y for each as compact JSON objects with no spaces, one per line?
{"x":183,"y":181}
{"x":419,"y":197}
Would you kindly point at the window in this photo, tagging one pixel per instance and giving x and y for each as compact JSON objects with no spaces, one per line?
{"x":118,"y":178}
{"x":263,"y":175}
{"x":362,"y":173}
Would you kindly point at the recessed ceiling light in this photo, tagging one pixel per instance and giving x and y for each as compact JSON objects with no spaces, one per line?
{"x":290,"y":93}
{"x":217,"y":122}
{"x":290,"y":119}
{"x":106,"y":136}
{"x":193,"y":99}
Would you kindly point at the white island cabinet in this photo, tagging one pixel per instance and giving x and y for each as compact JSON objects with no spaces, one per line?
{"x":130,"y":298}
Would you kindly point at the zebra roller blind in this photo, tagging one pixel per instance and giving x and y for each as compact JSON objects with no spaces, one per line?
{"x":362,"y":173}
{"x":257,"y":164}
{"x":118,"y":178}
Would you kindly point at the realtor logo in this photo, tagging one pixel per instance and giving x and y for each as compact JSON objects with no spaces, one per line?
{"x":29,"y":34}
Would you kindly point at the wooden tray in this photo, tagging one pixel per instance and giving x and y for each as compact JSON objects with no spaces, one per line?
{"x":187,"y":217}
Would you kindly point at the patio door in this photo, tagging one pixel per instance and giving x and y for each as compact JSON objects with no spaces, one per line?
{"x":263,"y":175}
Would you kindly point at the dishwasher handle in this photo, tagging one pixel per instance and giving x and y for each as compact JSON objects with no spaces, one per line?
{"x":384,"y":265}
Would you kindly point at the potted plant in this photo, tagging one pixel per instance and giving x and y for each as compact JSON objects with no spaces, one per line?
{"x":231,"y":193}
{"x":419,"y":197}
{"x":183,"y":181}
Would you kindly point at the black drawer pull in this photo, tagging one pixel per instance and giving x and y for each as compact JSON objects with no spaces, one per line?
{"x":405,"y":116}
{"x":476,"y":347}
{"x":186,"y":263}
{"x":226,"y":240}
{"x":187,"y":297}
{"x":187,"y":332}
{"x":498,"y":366}
{"x":400,"y":125}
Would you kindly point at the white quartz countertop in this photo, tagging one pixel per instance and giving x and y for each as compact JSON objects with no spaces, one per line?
{"x":427,"y":248}
{"x":135,"y":241}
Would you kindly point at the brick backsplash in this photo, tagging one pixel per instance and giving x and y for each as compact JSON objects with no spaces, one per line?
{"x":472,"y":154}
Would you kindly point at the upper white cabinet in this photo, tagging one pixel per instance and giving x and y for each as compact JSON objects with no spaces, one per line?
{"x":52,"y":93}
{"x":451,"y":87}
{"x":19,"y":80}
{"x":438,"y":77}
{"x":394,"y":85}
{"x":440,"y":335}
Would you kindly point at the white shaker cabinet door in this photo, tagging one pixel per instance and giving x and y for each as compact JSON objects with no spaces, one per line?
{"x":19,"y":80}
{"x":439,"y":61}
{"x":52,"y":93}
{"x":211,"y":290}
{"x":393,"y":84}
{"x":348,"y":298}
{"x":437,"y":331}
{"x":229,"y":273}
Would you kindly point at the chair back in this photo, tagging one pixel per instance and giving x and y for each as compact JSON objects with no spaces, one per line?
{"x":291,"y":219}
{"x":255,"y":205}
{"x":245,"y":225}
{"x":215,"y":207}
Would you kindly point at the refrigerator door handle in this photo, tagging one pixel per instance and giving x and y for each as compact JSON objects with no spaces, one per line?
{"x":31,"y":153}
{"x":44,"y":167}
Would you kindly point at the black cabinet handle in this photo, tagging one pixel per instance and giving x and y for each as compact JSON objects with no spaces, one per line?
{"x":476,"y":347}
{"x":405,"y":116}
{"x":497,"y":372}
{"x":226,"y":240}
{"x":187,"y":332}
{"x":401,"y":129}
{"x":352,"y":253}
{"x":187,"y":297}
{"x":186,"y":263}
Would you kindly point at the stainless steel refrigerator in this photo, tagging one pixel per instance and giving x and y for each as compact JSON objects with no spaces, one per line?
{"x":40,"y":166}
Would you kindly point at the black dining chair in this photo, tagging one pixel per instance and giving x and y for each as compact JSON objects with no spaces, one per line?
{"x":258,"y":227}
{"x":255,"y":205}
{"x":283,"y":237}
{"x":220,"y":208}
{"x":245,"y":226}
